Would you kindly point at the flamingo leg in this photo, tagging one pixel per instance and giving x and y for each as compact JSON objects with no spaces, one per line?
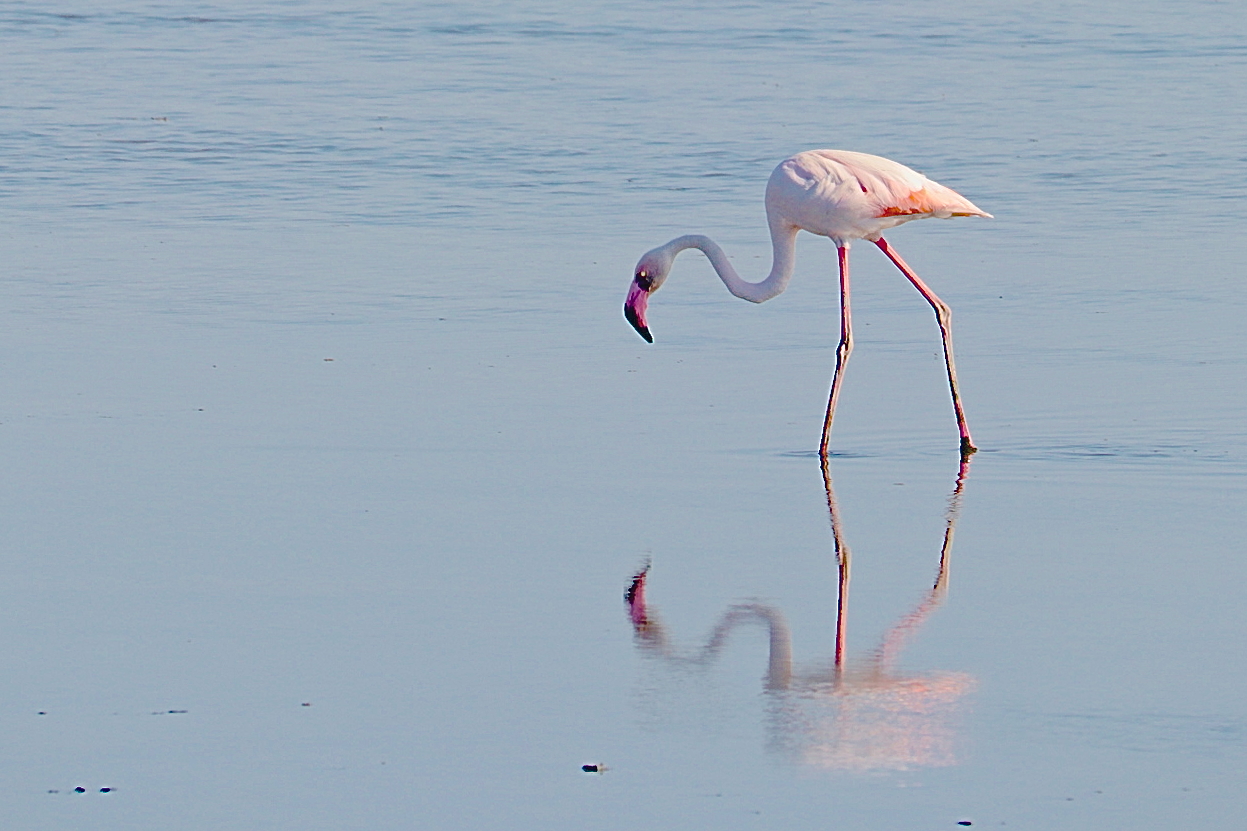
{"x":842,"y":351}
{"x":944,"y":317}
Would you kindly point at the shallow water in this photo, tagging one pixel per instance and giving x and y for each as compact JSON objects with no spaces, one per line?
{"x":329,"y":456}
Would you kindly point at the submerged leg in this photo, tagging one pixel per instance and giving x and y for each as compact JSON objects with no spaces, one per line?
{"x":842,"y":351}
{"x":945,"y":318}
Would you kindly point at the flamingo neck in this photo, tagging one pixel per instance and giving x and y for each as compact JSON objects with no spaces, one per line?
{"x":783,"y":244}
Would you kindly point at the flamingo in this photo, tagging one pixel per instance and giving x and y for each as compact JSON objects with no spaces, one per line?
{"x":837,"y":194}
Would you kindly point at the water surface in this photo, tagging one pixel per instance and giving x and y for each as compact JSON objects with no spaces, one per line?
{"x":329,"y":456}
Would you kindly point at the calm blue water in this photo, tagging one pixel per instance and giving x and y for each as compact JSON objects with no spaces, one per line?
{"x":329,"y":456}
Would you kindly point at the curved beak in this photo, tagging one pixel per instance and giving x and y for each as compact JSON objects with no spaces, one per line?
{"x":634,"y":310}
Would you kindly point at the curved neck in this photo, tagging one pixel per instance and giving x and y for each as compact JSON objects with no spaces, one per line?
{"x":783,"y":244}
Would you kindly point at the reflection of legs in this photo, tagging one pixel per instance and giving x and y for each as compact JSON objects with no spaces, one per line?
{"x":843,"y":559}
{"x":894,"y":640}
{"x":842,"y":607}
{"x":950,"y":525}
{"x":842,"y":351}
{"x":943,"y":316}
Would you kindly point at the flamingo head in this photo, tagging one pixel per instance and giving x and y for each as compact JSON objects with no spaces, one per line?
{"x":651,"y":271}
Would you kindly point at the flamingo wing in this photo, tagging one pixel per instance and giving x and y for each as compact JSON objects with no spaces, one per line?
{"x":846,"y":195}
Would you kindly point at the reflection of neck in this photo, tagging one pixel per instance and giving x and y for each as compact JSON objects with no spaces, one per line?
{"x":653,"y":635}
{"x":779,"y":665}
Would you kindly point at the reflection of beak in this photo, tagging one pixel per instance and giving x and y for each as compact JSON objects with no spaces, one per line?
{"x":635,"y":596}
{"x":634,"y":310}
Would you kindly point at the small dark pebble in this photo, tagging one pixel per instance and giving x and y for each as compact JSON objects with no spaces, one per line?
{"x":965,"y":822}
{"x":106,"y":790}
{"x":307,"y":704}
{"x":80,"y":789}
{"x":176,"y":711}
{"x":593,"y":768}
{"x":42,"y":713}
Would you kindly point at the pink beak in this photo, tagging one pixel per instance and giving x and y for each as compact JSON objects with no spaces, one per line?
{"x":634,"y":310}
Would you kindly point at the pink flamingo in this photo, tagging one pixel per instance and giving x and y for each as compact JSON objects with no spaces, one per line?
{"x":836,"y":194}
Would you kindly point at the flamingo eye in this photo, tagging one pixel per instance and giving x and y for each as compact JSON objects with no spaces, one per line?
{"x":643,"y":279}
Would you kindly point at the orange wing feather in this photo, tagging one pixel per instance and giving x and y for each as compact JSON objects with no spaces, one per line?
{"x":916,"y":202}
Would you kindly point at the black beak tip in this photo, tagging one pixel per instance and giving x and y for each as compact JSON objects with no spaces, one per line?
{"x":640,"y":327}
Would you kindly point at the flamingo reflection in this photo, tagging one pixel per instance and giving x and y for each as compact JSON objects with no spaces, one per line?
{"x":861,"y":714}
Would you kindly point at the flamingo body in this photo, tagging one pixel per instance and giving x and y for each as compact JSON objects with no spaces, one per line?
{"x":847,"y":196}
{"x":837,"y":194}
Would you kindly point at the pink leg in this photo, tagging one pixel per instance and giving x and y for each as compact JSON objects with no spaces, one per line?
{"x":945,"y":318}
{"x":842,"y":351}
